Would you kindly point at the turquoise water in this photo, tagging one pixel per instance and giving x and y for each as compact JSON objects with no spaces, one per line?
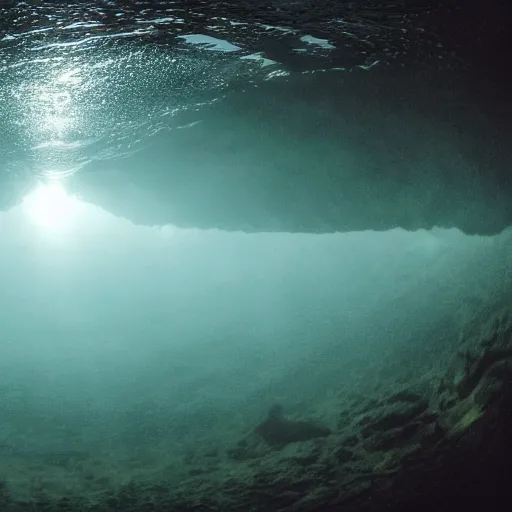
{"x":204,"y":233}
{"x":126,"y":347}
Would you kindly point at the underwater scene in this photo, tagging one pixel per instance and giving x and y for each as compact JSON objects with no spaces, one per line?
{"x":254,"y":257}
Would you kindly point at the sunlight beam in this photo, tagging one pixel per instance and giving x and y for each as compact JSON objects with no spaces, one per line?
{"x":50,"y":207}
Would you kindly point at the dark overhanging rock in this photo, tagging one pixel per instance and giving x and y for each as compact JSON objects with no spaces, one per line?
{"x":245,"y":166}
{"x":259,"y":190}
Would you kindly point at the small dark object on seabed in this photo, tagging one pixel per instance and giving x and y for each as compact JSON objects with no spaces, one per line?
{"x":277,"y":430}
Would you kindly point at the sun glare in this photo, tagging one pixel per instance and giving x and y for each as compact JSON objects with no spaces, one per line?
{"x":50,"y":206}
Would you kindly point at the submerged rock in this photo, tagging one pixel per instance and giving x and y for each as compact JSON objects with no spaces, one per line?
{"x":395,"y":414}
{"x":278,"y":430}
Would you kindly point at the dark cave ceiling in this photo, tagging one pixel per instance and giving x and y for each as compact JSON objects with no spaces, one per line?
{"x":302,"y":116}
